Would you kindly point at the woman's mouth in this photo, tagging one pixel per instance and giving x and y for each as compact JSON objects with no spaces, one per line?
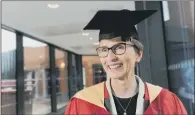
{"x":115,"y":66}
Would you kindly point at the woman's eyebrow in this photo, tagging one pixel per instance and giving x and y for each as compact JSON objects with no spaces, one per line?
{"x":103,"y":46}
{"x":112,"y":45}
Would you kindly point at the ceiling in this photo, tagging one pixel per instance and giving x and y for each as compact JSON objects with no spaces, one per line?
{"x":61,"y":26}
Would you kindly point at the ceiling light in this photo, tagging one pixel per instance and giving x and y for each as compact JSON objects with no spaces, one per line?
{"x":85,"y":34}
{"x":91,"y":38}
{"x":62,"y":65}
{"x":96,"y":43}
{"x":53,"y":6}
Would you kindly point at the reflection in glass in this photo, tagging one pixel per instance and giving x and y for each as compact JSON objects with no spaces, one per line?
{"x":92,"y":68}
{"x":62,"y":78}
{"x":180,"y":46}
{"x":8,"y":71}
{"x":36,"y":67}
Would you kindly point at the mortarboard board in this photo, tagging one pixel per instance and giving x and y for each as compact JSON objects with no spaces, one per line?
{"x":115,"y":23}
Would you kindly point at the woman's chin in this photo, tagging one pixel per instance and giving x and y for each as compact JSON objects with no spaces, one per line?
{"x":116,"y":76}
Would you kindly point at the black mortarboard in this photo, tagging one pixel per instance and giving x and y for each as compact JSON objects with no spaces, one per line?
{"x":115,"y":23}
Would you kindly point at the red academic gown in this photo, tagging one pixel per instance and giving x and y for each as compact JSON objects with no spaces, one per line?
{"x":94,"y":100}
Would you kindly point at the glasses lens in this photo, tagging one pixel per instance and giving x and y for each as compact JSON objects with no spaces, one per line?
{"x":119,"y":49}
{"x":102,"y":52}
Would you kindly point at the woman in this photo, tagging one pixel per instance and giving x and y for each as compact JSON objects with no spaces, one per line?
{"x":123,"y":92}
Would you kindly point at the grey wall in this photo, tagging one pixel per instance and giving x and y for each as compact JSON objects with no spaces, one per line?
{"x":153,"y":67}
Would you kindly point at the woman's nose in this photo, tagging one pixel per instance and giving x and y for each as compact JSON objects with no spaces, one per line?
{"x":111,"y":56}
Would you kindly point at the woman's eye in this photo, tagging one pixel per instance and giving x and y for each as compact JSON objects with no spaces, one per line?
{"x":119,"y":47}
{"x":104,"y":50}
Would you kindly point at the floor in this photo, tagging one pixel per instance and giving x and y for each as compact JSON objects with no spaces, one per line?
{"x":43,"y":106}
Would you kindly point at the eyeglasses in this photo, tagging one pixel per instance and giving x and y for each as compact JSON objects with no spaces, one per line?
{"x":117,"y":49}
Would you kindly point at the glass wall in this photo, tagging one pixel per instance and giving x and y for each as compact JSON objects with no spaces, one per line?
{"x":179,"y":32}
{"x":8,"y":79}
{"x":37,"y":85}
{"x":61,"y":78}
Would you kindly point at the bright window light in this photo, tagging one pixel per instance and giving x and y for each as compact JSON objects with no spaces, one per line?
{"x":8,"y":41}
{"x":166,"y":11}
{"x":28,"y":42}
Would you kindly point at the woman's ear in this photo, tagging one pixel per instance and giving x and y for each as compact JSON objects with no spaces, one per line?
{"x":139,"y":56}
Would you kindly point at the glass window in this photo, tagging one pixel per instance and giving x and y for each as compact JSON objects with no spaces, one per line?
{"x":93,"y":71}
{"x":179,"y":30}
{"x":61,"y":78}
{"x":36,"y":68}
{"x":8,"y":82}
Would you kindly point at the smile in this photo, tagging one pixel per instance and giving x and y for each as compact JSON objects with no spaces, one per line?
{"x":115,"y":66}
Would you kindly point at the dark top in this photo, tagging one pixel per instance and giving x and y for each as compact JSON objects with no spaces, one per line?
{"x":131,"y":110}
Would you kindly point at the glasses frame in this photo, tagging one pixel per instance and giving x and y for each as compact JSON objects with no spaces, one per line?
{"x":112,"y":49}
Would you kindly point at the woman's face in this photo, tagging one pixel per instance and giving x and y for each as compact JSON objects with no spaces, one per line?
{"x":119,"y":66}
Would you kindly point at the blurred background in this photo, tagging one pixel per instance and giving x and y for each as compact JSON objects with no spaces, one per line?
{"x":46,"y":57}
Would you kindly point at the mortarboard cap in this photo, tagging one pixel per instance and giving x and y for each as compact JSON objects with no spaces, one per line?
{"x":115,"y":23}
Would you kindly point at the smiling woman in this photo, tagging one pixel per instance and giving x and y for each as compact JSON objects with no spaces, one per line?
{"x":123,"y":92}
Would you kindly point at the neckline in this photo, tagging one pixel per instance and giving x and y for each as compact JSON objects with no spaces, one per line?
{"x":136,"y":95}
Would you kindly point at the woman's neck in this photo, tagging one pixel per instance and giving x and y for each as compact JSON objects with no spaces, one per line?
{"x":126,"y":87}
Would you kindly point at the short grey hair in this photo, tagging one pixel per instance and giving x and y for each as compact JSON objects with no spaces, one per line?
{"x":134,"y":40}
